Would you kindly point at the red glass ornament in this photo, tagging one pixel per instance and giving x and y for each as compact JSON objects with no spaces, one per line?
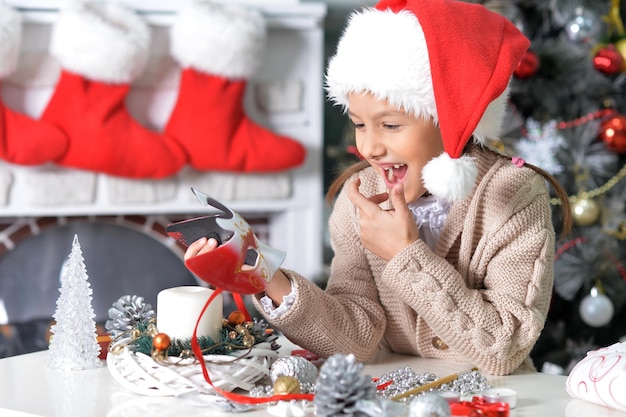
{"x":608,"y":60}
{"x":528,"y":66}
{"x":613,"y":133}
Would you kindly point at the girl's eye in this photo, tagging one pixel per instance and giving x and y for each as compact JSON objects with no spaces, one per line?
{"x":357,"y":125}
{"x":390,"y":126}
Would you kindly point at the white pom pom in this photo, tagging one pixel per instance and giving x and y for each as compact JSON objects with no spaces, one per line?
{"x":450,"y":179}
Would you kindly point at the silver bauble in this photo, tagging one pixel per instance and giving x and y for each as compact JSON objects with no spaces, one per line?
{"x":583,"y":27}
{"x":596,"y":309}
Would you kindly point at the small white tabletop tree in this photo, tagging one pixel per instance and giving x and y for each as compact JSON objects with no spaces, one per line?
{"x":74,"y":344}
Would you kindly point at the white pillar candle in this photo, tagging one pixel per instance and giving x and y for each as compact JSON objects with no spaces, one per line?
{"x":178,"y":310}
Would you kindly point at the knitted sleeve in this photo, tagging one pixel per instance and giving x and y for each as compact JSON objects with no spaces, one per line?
{"x":346,"y":317}
{"x":493,"y":306}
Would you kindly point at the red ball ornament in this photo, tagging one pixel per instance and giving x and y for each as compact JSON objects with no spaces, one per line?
{"x":613,"y":133}
{"x":608,"y":60}
{"x":528,"y":66}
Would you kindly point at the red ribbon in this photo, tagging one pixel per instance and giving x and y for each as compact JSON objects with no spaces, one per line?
{"x":479,"y":407}
{"x":242,"y":399}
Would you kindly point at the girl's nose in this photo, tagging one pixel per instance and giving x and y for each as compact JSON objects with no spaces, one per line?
{"x":369,"y":145}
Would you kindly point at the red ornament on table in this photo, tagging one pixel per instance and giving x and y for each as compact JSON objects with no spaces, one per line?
{"x":613,"y":133}
{"x":608,"y":60}
{"x":528,"y":66}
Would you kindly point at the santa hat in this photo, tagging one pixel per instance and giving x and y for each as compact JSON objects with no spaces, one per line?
{"x":443,"y":60}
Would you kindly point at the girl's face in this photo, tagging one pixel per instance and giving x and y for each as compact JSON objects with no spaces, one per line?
{"x":395,"y":143}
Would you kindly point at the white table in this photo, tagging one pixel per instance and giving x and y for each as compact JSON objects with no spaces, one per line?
{"x":28,"y":388}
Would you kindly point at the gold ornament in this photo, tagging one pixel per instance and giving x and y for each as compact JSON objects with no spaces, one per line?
{"x":286,"y":385}
{"x":613,"y":19}
{"x":585,"y":212}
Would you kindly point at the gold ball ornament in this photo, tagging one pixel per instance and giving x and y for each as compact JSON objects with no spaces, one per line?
{"x":286,"y":385}
{"x":161,"y":342}
{"x":585,"y":212}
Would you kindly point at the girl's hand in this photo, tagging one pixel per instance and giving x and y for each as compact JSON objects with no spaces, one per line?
{"x":200,"y":247}
{"x":384,"y":232}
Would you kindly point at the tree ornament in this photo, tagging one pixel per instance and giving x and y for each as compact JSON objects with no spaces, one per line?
{"x":608,"y":60}
{"x":583,"y":27}
{"x":585,"y":211}
{"x":528,"y":66}
{"x":541,"y":144}
{"x":340,"y":388}
{"x":613,"y":133}
{"x":74,"y":344}
{"x":613,"y":20}
{"x":596,"y":309}
{"x":429,"y":405}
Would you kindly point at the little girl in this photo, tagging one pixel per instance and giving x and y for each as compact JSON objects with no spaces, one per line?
{"x":442,"y":247}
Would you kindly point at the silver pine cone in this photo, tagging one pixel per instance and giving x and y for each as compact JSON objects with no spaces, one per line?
{"x":340,"y":387}
{"x":126,"y":313}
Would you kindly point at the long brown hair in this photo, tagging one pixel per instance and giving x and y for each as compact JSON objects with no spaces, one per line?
{"x":561,"y":194}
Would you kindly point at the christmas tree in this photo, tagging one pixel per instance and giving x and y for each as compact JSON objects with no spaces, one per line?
{"x":567,"y":115}
{"x":74,"y":344}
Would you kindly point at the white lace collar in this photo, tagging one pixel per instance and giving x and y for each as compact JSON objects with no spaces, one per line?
{"x":430,"y":214}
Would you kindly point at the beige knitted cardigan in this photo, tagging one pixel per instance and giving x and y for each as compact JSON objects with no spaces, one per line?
{"x":484,"y":290}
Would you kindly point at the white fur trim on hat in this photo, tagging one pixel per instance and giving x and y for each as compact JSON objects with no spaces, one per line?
{"x":104,"y":42}
{"x":383,"y":53}
{"x":219,"y":39}
{"x":450,"y":179}
{"x":10,"y":38}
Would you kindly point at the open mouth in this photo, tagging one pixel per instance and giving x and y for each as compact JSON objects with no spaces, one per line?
{"x":394,"y":174}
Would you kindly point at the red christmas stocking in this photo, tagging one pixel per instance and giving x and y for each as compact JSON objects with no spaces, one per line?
{"x":22,"y":140}
{"x":102,"y":48}
{"x":219,"y":47}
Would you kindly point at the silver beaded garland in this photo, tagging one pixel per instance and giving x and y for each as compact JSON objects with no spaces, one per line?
{"x":405,"y":379}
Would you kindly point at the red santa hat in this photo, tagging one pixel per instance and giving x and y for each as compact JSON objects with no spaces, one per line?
{"x":444,"y":60}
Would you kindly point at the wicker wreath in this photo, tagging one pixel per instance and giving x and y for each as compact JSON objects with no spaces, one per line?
{"x":141,"y":374}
